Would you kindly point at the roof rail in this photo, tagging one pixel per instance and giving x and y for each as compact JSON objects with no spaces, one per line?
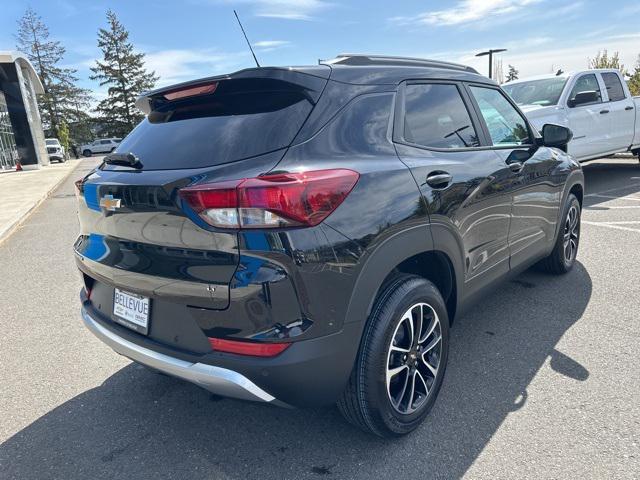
{"x":365,"y":59}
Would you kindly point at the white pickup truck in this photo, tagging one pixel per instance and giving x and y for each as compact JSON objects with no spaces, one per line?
{"x":595,"y":104}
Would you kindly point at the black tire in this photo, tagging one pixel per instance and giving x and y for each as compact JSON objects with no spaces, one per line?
{"x":367,"y":400}
{"x":559,"y":261}
{"x":86,"y":153}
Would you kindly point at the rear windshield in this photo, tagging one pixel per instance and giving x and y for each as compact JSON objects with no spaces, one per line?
{"x":240,"y":119}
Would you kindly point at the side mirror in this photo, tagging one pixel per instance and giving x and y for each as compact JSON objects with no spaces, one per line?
{"x":583,"y":98}
{"x":556,"y":136}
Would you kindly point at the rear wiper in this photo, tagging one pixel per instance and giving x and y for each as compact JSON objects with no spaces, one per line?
{"x":126,"y":159}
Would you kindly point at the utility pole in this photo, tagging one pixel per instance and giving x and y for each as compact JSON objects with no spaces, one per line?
{"x":490,"y":53}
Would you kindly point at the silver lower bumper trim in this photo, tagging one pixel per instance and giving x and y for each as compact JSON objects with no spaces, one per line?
{"x":218,"y":380}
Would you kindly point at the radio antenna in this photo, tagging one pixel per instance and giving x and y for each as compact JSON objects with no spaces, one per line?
{"x":245,"y":37}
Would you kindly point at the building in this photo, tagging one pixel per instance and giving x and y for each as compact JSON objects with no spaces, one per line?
{"x":21,"y":135}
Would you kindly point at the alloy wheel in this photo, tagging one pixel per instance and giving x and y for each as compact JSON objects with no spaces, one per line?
{"x":413,"y":359}
{"x":571,"y":234}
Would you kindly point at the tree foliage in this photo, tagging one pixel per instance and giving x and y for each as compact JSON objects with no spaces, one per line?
{"x":512,"y":74}
{"x":62,"y":100}
{"x":634,"y":79}
{"x":603,"y":60}
{"x":123,"y":72}
{"x":63,"y":135}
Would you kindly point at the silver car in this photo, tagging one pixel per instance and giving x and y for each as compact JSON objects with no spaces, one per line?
{"x":55,"y":150}
{"x":103,"y":145}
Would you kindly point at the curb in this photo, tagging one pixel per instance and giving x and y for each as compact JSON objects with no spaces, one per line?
{"x":6,"y":233}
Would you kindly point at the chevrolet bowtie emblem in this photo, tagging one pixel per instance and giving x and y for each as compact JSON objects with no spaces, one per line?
{"x":109,"y":203}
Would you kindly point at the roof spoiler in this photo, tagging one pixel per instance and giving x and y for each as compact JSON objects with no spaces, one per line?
{"x":311,"y":78}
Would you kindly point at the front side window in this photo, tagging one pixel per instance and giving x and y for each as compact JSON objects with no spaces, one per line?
{"x":586,"y":83}
{"x":506,"y":126}
{"x":614,"y":87}
{"x":105,"y":142}
{"x":436,"y":117}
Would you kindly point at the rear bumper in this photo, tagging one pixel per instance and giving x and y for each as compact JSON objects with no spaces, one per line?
{"x":218,"y":380}
{"x":310,"y":373}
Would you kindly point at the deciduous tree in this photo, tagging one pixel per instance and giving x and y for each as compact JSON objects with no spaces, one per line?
{"x":634,"y":79}
{"x":603,"y":60}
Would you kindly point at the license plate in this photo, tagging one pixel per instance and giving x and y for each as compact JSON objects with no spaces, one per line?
{"x":131,"y":310}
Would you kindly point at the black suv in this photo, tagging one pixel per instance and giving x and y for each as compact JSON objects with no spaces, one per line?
{"x":305,"y":236}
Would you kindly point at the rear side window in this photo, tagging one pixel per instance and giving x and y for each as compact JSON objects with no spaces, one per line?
{"x":586,"y":83}
{"x":242,"y":118}
{"x":436,"y":116}
{"x":614,"y":87}
{"x":506,"y":126}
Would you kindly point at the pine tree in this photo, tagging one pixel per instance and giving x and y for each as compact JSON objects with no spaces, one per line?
{"x":123,"y":71}
{"x":634,"y":79}
{"x":512,"y":74}
{"x":81,"y":121}
{"x":62,"y":99}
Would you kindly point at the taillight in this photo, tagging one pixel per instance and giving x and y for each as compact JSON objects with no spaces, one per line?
{"x":88,"y":284}
{"x":254,"y":349}
{"x":272,"y":201}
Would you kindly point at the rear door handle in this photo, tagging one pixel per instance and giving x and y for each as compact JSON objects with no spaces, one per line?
{"x":439,"y":179}
{"x":628,"y":108}
{"x":602,"y":112}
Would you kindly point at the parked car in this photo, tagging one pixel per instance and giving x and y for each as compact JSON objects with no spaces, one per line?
{"x":55,"y":150}
{"x":104,"y":145}
{"x":304,"y":236}
{"x":595,"y":104}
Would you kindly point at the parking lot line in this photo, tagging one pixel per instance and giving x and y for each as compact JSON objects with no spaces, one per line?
{"x":611,"y":225}
{"x":626,"y":222}
{"x":614,"y":197}
{"x":598,"y":207}
{"x":626,"y":187}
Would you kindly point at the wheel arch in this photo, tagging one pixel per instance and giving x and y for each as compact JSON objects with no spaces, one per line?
{"x":410,"y":251}
{"x":578,"y":190}
{"x":573,"y":184}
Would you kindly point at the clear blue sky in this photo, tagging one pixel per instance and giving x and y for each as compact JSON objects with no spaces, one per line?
{"x":193,"y":38}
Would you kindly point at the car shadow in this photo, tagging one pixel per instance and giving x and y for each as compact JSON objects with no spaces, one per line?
{"x":138,"y":424}
{"x":609,"y":179}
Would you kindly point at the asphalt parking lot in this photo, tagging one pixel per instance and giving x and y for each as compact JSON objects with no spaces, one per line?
{"x":543,"y":378}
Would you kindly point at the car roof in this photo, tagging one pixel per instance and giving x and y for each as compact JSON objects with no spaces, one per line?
{"x":362,"y":68}
{"x":394,"y":74}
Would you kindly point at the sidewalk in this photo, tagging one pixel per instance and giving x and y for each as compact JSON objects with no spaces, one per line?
{"x":21,"y":192}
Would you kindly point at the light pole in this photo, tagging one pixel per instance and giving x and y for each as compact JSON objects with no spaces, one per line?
{"x":490,"y":53}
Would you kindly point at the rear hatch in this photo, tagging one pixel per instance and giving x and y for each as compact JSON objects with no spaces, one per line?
{"x":135,"y":235}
